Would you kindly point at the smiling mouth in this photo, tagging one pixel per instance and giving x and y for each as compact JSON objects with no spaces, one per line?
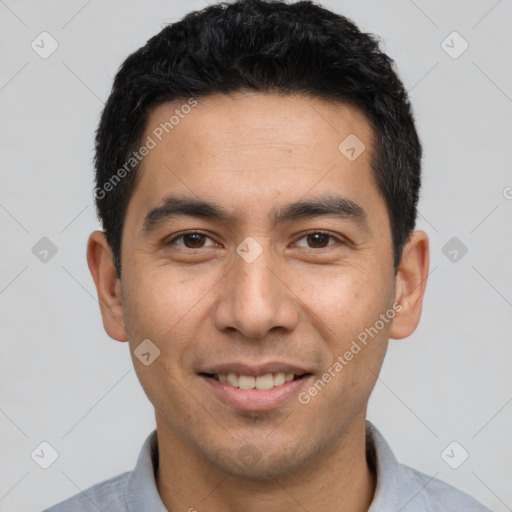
{"x":262,"y":382}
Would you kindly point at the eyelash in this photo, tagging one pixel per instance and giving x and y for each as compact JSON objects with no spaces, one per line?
{"x":170,"y":242}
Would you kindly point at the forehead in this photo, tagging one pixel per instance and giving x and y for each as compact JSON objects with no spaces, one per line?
{"x":254,"y":150}
{"x":246,"y":121}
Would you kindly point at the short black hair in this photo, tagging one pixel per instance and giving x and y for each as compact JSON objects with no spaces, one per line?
{"x":270,"y":47}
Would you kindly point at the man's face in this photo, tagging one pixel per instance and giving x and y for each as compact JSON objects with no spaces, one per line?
{"x":247,"y":291}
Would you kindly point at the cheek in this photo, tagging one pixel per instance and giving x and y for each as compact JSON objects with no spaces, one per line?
{"x":345,"y":301}
{"x":169,"y":309}
{"x":161,"y":301}
{"x":348,"y":309}
{"x":158,"y":310}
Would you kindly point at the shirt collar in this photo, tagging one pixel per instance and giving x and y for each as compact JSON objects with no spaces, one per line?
{"x":141,"y":490}
{"x":386,"y":497}
{"x":142,"y":493}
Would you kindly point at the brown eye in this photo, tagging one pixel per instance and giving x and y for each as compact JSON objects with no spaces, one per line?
{"x":317,"y":240}
{"x":192,"y":240}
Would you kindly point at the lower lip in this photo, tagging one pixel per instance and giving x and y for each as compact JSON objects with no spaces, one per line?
{"x":256,"y":399}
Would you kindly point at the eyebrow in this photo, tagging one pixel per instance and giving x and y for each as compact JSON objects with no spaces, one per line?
{"x":330,"y":206}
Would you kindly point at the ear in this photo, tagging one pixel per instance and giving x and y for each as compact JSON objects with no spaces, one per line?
{"x":101,"y":265}
{"x":410,"y":284}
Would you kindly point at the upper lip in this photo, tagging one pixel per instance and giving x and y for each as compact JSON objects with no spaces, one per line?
{"x":254,"y":370}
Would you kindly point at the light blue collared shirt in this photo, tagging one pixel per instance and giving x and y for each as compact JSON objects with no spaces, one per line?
{"x":399,"y":487}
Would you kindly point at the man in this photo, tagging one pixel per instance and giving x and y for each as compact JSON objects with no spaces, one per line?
{"x":257,"y":176}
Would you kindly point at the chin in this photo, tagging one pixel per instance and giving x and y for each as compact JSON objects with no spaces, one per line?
{"x":257,"y":462}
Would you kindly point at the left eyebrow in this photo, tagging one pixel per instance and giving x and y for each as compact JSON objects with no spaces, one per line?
{"x":331,"y":205}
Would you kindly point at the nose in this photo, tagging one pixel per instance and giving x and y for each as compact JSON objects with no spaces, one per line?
{"x":255,"y":299}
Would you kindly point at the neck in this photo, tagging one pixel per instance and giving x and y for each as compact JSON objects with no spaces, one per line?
{"x":341,"y":480}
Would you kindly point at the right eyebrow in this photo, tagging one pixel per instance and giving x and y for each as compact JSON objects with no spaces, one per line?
{"x":177,"y":206}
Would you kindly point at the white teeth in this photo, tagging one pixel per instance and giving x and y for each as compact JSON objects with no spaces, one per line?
{"x":232,"y":378}
{"x":267,"y":381}
{"x":280,"y":379}
{"x":246,"y":382}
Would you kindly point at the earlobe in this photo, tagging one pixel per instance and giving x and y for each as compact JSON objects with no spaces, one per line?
{"x":108,"y":287}
{"x":410,"y":284}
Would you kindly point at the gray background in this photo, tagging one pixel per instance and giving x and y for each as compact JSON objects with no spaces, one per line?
{"x":65,"y":382}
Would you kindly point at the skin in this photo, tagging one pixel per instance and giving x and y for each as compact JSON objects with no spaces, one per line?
{"x":297,"y":302}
